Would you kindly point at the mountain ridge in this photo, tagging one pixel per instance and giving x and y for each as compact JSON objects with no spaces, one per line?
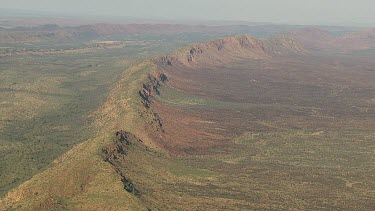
{"x":85,"y":171}
{"x":235,"y":47}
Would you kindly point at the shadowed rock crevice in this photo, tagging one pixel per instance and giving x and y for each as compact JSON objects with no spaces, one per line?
{"x":115,"y":154}
{"x":150,"y":89}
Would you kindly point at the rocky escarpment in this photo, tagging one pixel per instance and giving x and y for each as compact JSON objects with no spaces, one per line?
{"x":115,"y":154}
{"x":231,"y":48}
{"x":151,"y":88}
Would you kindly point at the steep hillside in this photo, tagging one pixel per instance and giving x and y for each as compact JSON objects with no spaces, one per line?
{"x":82,"y":178}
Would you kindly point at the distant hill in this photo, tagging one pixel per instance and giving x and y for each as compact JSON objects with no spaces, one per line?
{"x":319,"y":39}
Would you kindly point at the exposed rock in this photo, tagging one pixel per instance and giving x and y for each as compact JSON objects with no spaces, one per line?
{"x":115,"y":154}
{"x":150,"y":88}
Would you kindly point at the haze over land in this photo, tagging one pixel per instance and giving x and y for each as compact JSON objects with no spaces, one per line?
{"x":169,"y":105}
{"x":333,"y":12}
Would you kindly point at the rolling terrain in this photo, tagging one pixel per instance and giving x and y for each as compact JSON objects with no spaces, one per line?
{"x":235,"y":123}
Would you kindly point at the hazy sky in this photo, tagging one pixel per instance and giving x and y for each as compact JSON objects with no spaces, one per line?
{"x":289,"y":11}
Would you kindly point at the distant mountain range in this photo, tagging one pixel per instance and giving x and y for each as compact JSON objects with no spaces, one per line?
{"x":94,"y":31}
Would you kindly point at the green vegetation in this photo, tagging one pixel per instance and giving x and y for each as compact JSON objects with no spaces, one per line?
{"x":181,"y":169}
{"x":174,"y":97}
{"x":44,"y":103}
